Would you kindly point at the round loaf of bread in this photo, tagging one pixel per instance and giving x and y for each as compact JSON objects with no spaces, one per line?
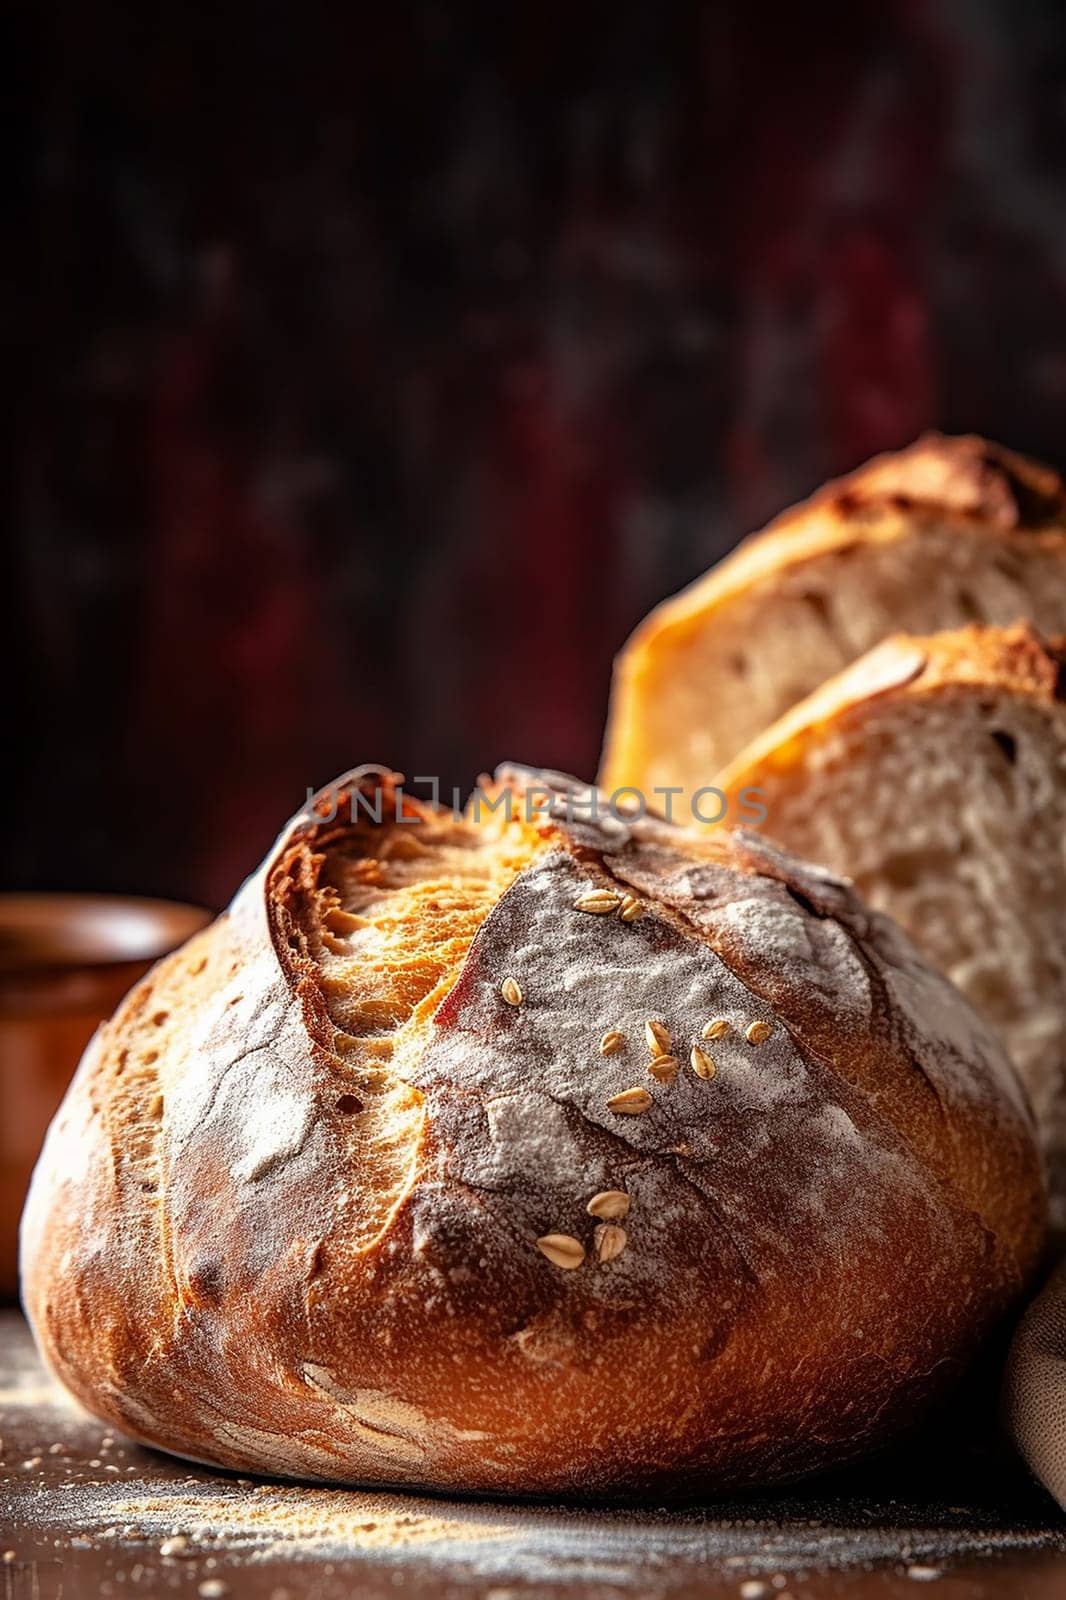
{"x":530,"y":1153}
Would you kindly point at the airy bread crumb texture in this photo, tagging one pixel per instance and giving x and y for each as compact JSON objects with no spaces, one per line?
{"x":942,"y":795}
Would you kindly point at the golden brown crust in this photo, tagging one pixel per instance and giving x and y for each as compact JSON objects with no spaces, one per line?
{"x":967,"y":478}
{"x":966,"y":487}
{"x":1017,"y":659}
{"x":259,"y":1240}
{"x":962,"y":475}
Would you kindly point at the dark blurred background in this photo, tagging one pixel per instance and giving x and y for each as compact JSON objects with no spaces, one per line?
{"x":376,"y":368}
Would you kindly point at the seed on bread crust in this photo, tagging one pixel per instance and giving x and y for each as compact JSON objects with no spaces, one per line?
{"x":663,"y":1068}
{"x":609,"y":1241}
{"x":702,"y":1064}
{"x":612,"y":1042}
{"x":715,"y":1029}
{"x":598,"y":902}
{"x":657,"y":1036}
{"x":511,"y":991}
{"x":630,"y":909}
{"x":610,"y":1204}
{"x":562,"y":1250}
{"x":758,"y":1031}
{"x":631,"y":1102}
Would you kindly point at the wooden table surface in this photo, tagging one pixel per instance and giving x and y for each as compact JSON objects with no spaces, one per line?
{"x":84,"y":1513}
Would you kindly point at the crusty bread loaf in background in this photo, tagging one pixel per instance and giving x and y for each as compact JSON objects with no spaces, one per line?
{"x":933,"y":774}
{"x":947,"y":532}
{"x":530,"y":1156}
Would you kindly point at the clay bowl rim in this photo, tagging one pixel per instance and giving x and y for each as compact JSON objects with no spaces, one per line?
{"x":111,"y":931}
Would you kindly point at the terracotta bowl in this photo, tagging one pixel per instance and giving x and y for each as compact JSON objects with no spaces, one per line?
{"x":66,"y":960}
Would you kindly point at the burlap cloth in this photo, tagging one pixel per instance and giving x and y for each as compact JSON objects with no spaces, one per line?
{"x":1034,"y":1388}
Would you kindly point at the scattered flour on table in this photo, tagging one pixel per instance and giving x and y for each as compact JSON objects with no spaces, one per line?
{"x":503,"y":1543}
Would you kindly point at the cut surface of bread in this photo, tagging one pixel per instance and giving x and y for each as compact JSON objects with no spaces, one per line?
{"x":933,"y":773}
{"x":948,"y":532}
